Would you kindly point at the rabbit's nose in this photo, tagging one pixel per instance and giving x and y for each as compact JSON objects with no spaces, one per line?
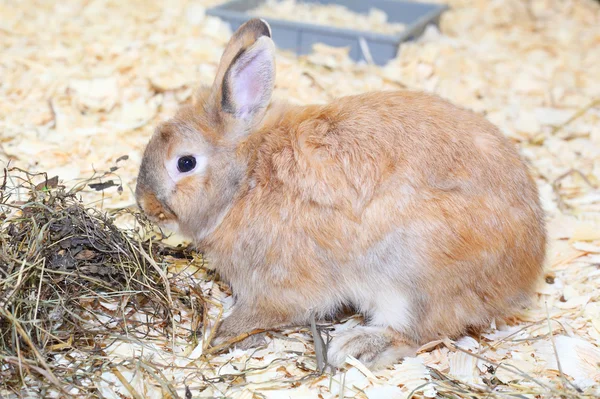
{"x":154,"y":208}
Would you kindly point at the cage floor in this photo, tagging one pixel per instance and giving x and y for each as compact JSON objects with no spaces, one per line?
{"x":83,"y":83}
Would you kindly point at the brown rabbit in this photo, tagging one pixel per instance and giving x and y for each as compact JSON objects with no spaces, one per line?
{"x":415,"y":212}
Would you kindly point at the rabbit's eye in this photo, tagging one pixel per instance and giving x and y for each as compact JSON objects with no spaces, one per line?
{"x":186,"y":164}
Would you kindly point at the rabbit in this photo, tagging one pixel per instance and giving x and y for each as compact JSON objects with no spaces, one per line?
{"x":417,"y":213}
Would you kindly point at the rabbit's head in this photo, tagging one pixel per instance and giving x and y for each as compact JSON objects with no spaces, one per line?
{"x":191,"y":169}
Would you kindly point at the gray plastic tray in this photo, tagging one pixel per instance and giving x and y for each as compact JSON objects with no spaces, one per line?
{"x":300,"y":36}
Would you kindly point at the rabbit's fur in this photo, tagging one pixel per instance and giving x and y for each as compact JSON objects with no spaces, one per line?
{"x":417,"y":213}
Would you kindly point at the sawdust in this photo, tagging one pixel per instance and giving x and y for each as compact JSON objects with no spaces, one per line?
{"x":84,"y":82}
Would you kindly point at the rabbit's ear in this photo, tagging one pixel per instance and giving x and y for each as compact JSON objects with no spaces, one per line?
{"x":245,"y":78}
{"x":249,"y":81}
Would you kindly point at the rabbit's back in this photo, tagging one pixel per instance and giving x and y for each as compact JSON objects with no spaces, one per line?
{"x":346,"y":152}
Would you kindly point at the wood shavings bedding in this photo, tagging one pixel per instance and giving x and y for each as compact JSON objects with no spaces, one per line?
{"x":334,"y":15}
{"x":85,"y":82}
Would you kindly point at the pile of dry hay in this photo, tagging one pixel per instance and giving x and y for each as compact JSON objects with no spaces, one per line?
{"x":60,"y":261}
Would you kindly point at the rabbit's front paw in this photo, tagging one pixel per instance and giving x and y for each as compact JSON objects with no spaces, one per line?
{"x":375,"y":347}
{"x":252,"y":341}
{"x":240,"y":329}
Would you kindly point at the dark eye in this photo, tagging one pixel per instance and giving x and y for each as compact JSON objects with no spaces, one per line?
{"x":185,"y":164}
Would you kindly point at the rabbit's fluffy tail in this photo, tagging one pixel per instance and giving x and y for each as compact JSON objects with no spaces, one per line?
{"x":373,"y":346}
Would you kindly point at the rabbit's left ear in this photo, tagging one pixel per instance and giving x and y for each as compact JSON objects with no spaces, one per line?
{"x":249,"y":81}
{"x":243,"y":85}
